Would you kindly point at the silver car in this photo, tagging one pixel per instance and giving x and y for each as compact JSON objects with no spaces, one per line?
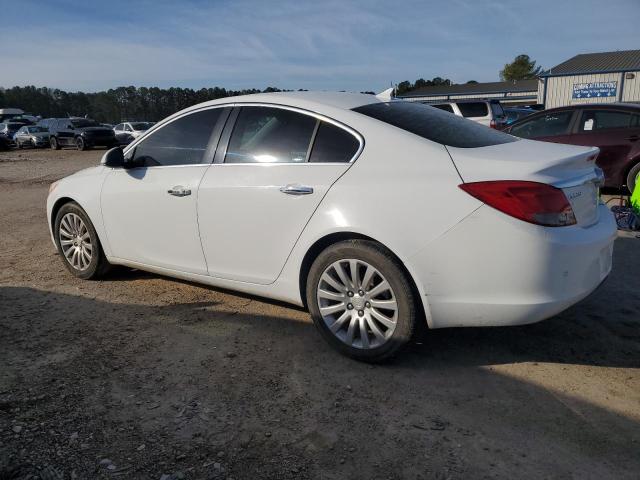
{"x":32,"y":136}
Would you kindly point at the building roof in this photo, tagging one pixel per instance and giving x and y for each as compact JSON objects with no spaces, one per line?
{"x":515,"y":86}
{"x":598,"y":62}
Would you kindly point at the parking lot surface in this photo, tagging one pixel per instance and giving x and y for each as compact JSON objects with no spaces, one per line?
{"x":140,"y":376}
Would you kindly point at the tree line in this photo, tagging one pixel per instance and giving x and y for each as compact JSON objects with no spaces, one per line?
{"x":113,"y":105}
{"x":152,"y":103}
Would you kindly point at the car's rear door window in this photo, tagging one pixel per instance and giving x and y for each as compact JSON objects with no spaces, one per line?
{"x":435,"y":125}
{"x":333,"y":144}
{"x":473,"y":109}
{"x":604,"y":119}
{"x":270,"y":135}
{"x":181,"y":142}
{"x":546,"y":125}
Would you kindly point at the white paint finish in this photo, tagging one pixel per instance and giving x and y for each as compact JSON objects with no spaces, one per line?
{"x":84,"y":188}
{"x":144,"y":223}
{"x":248,"y":226}
{"x":472,"y":265}
{"x":508,"y":272}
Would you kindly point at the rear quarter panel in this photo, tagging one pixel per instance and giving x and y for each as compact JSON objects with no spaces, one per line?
{"x":402,"y":191}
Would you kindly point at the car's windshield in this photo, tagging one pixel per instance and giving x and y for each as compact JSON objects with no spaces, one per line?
{"x":84,"y":122}
{"x":141,"y":125}
{"x":36,"y":129}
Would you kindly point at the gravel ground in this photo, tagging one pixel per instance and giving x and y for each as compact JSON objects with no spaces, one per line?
{"x":139,"y":376}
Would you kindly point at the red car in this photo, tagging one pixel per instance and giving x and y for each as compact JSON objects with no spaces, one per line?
{"x":613,"y":127}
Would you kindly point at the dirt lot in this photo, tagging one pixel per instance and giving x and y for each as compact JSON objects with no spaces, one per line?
{"x":140,"y":376}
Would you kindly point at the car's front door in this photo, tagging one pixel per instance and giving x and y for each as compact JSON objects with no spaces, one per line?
{"x":615,"y":132}
{"x":272,"y":169}
{"x":149,"y":211}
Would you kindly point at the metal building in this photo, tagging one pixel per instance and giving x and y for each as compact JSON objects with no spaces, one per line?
{"x":522,"y":92}
{"x":592,"y":78}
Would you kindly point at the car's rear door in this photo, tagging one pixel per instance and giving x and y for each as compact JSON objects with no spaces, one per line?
{"x":273,"y":167}
{"x":614,"y":132}
{"x":149,"y":211}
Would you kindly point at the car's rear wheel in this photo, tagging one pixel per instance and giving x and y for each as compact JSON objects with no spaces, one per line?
{"x":80,"y":143}
{"x":361,"y":300}
{"x":54,"y":143}
{"x":78,"y":243}
{"x":631,"y":177}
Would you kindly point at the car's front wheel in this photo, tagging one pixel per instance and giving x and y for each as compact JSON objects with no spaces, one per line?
{"x":53,"y":141}
{"x":78,"y":243}
{"x":361,"y":300}
{"x":80,"y":144}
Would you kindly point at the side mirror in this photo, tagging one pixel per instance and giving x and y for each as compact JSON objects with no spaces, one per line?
{"x":114,"y":158}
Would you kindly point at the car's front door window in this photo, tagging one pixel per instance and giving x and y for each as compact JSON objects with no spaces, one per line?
{"x":181,"y":142}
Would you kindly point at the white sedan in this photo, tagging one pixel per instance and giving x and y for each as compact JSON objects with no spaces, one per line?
{"x":374,"y":215}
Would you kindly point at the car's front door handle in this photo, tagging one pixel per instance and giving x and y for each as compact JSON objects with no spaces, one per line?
{"x":295,"y":189}
{"x":179,"y":191}
{"x":633,"y":138}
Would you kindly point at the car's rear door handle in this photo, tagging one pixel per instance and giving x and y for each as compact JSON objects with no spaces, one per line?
{"x":633,"y":138}
{"x":295,"y":189}
{"x":179,"y":191}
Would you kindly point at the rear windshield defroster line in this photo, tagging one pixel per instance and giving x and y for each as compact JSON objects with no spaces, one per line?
{"x":434,"y":124}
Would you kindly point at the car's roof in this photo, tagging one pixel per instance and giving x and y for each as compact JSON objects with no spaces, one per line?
{"x":342,"y":100}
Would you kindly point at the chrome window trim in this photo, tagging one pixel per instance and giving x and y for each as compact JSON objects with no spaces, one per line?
{"x":311,"y":113}
{"x":303,"y":111}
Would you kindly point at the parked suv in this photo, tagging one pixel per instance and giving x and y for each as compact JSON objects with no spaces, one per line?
{"x":486,"y":112}
{"x":614,"y":128}
{"x":81,"y":133}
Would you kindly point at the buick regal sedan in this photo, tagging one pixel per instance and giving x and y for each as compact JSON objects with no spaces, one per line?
{"x":374,"y":215}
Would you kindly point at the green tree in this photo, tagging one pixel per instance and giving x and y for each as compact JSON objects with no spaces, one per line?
{"x":522,"y":68}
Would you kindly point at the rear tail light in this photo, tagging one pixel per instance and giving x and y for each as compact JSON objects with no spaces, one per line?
{"x":532,"y":202}
{"x":493,"y":124}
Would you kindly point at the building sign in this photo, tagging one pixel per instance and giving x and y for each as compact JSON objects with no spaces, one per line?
{"x":595,"y":89}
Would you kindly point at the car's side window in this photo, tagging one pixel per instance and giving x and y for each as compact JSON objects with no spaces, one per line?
{"x":473,"y":109}
{"x":333,"y":145}
{"x":604,"y":119}
{"x":546,"y":125}
{"x":127,"y":128}
{"x":181,"y":142}
{"x":270,"y":135}
{"x":444,"y":106}
{"x":118,"y":127}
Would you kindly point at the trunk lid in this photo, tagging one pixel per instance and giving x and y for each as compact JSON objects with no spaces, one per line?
{"x":570,"y":168}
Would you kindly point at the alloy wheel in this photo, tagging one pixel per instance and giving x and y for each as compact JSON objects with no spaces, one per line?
{"x":357,"y":303}
{"x":75,"y":241}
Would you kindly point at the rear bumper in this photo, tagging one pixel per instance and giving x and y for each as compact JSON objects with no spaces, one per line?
{"x":493,"y":270}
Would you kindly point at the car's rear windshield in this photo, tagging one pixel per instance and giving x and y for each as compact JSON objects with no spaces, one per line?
{"x":435,"y":125}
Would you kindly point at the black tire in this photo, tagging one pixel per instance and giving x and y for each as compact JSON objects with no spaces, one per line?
{"x":390,"y":268}
{"x":80,"y":143}
{"x":18,"y":144}
{"x":33,"y":144}
{"x":53,"y":141}
{"x":98,"y":266}
{"x":631,"y":177}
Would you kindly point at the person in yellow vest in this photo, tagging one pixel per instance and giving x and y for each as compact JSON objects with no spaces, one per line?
{"x":635,"y":197}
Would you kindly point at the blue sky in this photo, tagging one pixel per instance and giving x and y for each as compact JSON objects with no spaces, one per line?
{"x":326,"y":45}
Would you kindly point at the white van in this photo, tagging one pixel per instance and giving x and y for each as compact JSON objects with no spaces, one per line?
{"x":486,"y":112}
